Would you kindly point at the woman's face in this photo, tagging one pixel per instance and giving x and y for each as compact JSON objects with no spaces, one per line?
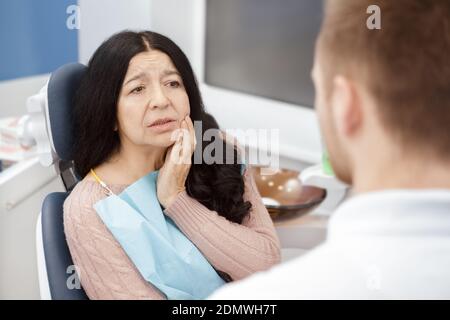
{"x":152,"y":102}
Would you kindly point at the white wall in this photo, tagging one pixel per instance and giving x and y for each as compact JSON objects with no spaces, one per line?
{"x":14,"y":94}
{"x":178,"y":20}
{"x":102,"y":18}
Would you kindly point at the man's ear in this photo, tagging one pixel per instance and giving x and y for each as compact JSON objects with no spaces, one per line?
{"x":346,"y":106}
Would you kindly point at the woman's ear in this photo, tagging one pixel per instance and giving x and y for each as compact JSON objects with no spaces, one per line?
{"x":346,"y":107}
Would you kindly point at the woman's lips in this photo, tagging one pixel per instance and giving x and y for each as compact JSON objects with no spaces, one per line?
{"x":163,"y":125}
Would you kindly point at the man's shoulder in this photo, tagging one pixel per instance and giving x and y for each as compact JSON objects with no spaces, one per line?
{"x":304,"y":277}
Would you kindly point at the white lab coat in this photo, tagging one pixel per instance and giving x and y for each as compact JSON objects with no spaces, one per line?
{"x":382,"y":245}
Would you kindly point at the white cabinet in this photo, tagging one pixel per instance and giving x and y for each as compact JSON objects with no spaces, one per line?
{"x":23,"y":188}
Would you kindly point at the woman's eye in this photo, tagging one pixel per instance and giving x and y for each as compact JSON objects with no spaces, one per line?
{"x":174,"y":84}
{"x":137,"y":90}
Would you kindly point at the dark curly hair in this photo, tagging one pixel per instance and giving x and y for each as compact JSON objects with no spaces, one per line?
{"x":218,"y":186}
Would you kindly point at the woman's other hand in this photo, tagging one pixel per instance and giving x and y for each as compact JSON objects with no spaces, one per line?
{"x":172,"y":175}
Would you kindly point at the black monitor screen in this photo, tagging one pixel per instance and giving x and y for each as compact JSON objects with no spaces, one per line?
{"x":263,"y":47}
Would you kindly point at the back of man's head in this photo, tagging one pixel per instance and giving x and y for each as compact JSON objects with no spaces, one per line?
{"x":404,"y":65}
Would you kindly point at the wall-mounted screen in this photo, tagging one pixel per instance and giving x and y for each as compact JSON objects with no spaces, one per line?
{"x":263,"y":47}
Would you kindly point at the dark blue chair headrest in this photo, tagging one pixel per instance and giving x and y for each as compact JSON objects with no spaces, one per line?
{"x":61,"y":90}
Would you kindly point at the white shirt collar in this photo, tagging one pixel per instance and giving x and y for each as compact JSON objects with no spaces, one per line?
{"x":393,"y":212}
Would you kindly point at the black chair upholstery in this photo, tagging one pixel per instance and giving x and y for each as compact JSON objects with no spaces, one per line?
{"x":56,"y":252}
{"x":61,"y":89}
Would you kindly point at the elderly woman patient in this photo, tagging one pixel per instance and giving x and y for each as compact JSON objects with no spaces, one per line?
{"x":147,"y":221}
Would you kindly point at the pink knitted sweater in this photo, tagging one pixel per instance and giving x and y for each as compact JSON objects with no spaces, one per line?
{"x":106,"y":272}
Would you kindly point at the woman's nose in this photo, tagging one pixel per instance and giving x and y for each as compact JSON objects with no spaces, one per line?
{"x":158,"y":98}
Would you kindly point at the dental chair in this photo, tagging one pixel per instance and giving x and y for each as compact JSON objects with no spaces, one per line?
{"x":50,"y":124}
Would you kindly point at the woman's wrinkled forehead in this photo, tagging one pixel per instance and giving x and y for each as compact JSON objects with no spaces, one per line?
{"x":153,"y":63}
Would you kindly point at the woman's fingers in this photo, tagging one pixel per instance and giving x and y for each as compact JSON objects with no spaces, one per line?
{"x":186,"y":143}
{"x":175,"y":152}
{"x":189,"y":124}
{"x":184,"y":146}
{"x":179,"y":147}
{"x":191,"y":133}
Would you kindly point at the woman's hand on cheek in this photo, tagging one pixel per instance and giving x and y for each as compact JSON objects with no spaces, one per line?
{"x":172,"y":176}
